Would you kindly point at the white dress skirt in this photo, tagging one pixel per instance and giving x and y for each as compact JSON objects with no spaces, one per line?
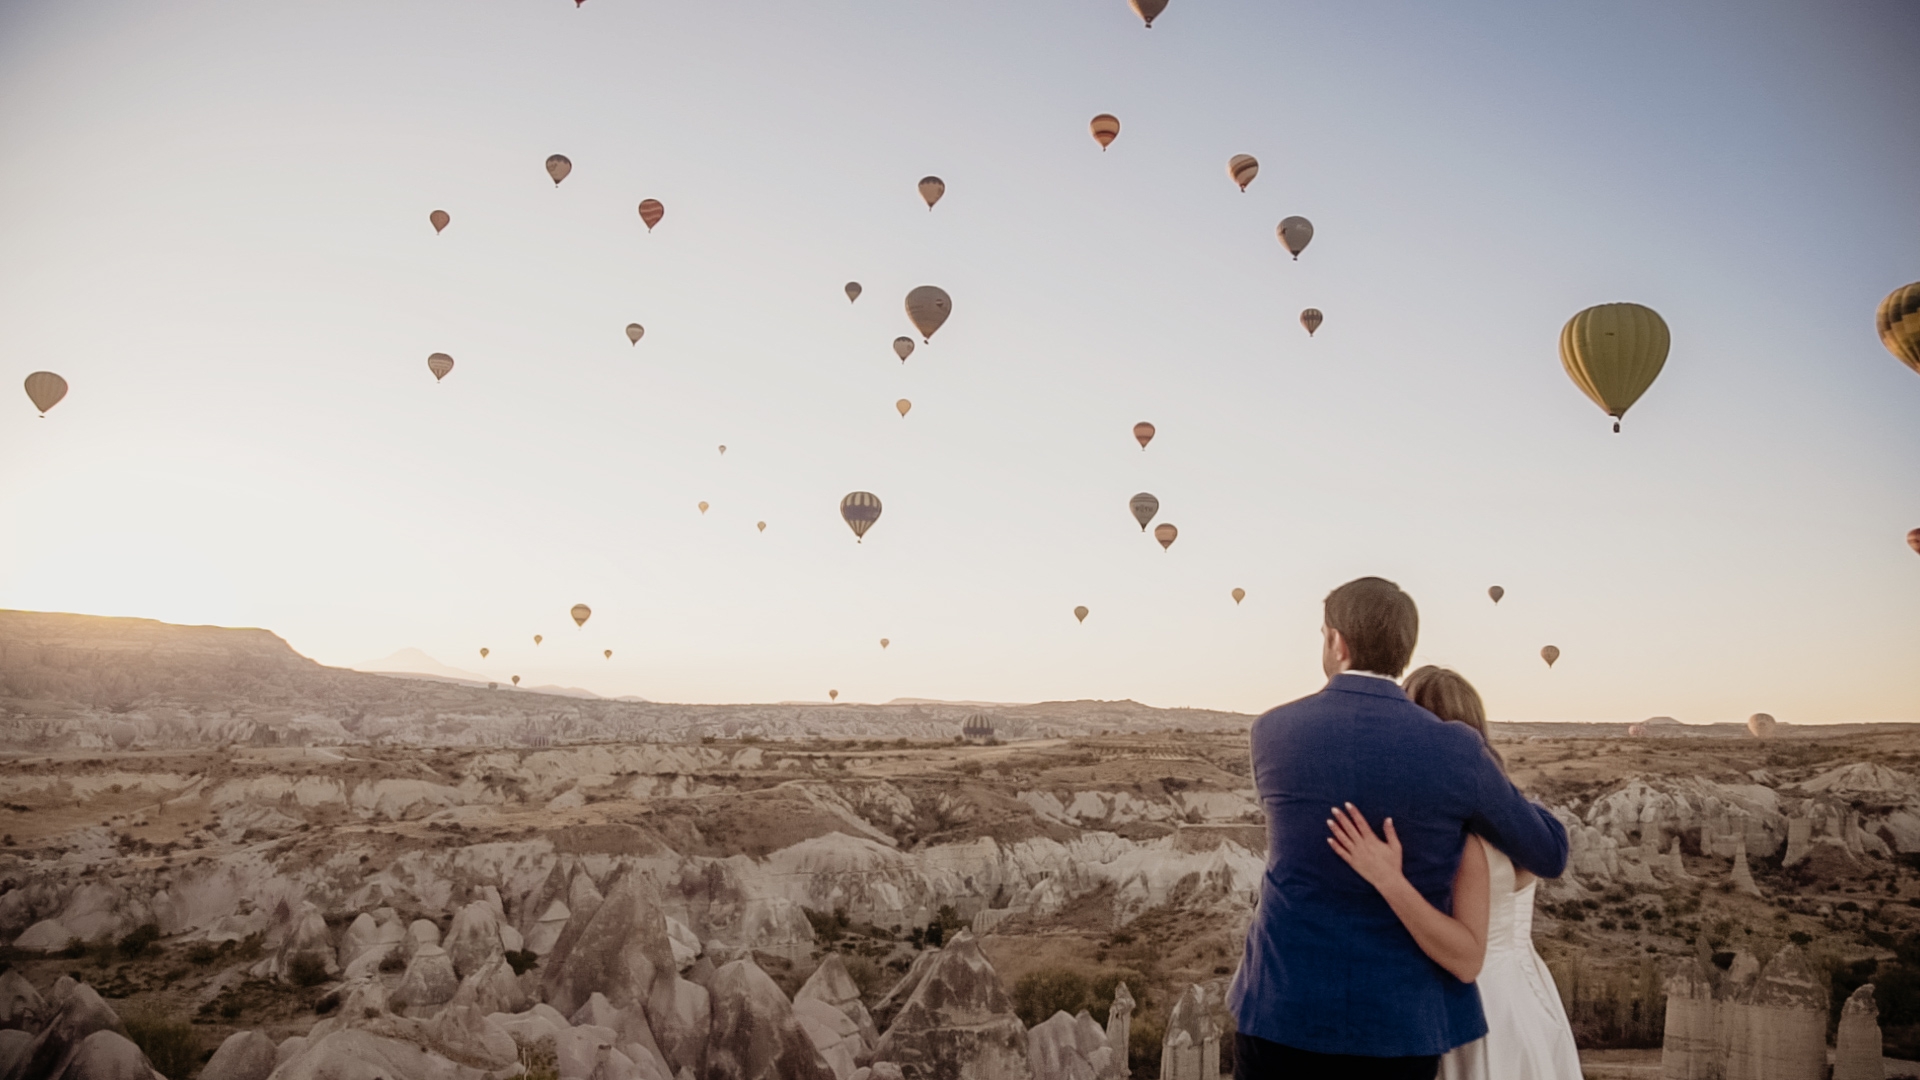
{"x":1528,"y":1037}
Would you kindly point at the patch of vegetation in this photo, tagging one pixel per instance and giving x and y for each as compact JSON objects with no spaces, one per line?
{"x":540,"y":1060}
{"x":172,"y":1044}
{"x":393,"y":963}
{"x":307,"y":969}
{"x":828,"y":926}
{"x":140,"y":941}
{"x":1896,"y":989}
{"x":520,"y":960}
{"x":202,"y":954}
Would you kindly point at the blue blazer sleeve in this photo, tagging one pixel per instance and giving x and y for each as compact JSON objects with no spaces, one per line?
{"x":1527,"y":832}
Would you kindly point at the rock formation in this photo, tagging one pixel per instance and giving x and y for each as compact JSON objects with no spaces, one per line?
{"x":755,"y":1035}
{"x":1857,"y":1047}
{"x":1192,"y":1049}
{"x":1069,"y":1048}
{"x":246,"y":1055}
{"x":1743,"y":876}
{"x":957,"y":1023}
{"x":831,"y":985}
{"x":1747,"y":1023}
{"x":1120,"y":1030}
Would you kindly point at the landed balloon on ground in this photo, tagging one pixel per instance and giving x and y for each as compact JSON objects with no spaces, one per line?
{"x":1243,"y":168}
{"x":1311,"y":319}
{"x":558,"y":167}
{"x":1239,"y":595}
{"x":1148,"y":10}
{"x":1166,"y":534}
{"x":1899,"y":324}
{"x":860,"y":509}
{"x":45,"y":389}
{"x":1143,"y":507}
{"x":651,"y":211}
{"x":635,"y":332}
{"x":853,"y":291}
{"x":903,"y":348}
{"x":1143,"y":433}
{"x":439,"y":363}
{"x":1613,"y":352}
{"x":1105,"y":128}
{"x":903,"y":405}
{"x":1496,"y":592}
{"x":440,"y":219}
{"x":1550,"y":654}
{"x":931,"y":188}
{"x":1760,"y":725}
{"x":928,"y":307}
{"x":1295,"y":234}
{"x":1080,"y":613}
{"x":581,"y":613}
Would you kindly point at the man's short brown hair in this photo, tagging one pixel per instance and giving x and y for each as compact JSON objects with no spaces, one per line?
{"x":1379,"y":623}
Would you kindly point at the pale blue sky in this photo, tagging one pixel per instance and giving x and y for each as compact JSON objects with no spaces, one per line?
{"x":215,"y":226}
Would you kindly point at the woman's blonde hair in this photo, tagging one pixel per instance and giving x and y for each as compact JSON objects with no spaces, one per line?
{"x":1447,"y":695}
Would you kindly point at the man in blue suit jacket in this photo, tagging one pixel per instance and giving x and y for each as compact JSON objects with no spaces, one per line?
{"x":1331,"y":983}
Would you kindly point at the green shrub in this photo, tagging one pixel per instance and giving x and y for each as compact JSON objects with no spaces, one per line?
{"x":137,"y":943}
{"x":393,"y":962}
{"x":173,"y":1046}
{"x":540,"y":1060}
{"x":307,"y":969}
{"x":1040,"y":994}
{"x":202,"y":954}
{"x":866,"y":976}
{"x":520,"y":960}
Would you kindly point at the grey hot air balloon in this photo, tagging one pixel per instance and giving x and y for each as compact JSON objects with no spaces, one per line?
{"x":45,"y":389}
{"x":439,"y":363}
{"x":1295,"y":233}
{"x":635,"y":332}
{"x":931,"y":188}
{"x":860,"y":509}
{"x":853,"y":291}
{"x":1148,"y":10}
{"x":1242,"y":168}
{"x":903,"y":348}
{"x":1496,"y":592}
{"x":1080,"y":613}
{"x":1550,"y":654}
{"x":440,"y":219}
{"x":1143,"y":506}
{"x":928,"y":307}
{"x":558,"y":167}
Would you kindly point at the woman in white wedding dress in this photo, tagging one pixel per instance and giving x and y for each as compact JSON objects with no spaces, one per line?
{"x":1528,"y":1037}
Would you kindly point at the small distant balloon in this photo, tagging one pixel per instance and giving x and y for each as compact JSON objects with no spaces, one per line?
{"x":761,"y":525}
{"x":931,"y":188}
{"x":516,"y":680}
{"x":1143,"y":433}
{"x":1550,"y":654}
{"x":1143,"y":506}
{"x":635,"y":332}
{"x":558,"y":167}
{"x":1760,"y":725}
{"x":833,"y":695}
{"x":45,"y":389}
{"x":1105,"y":128}
{"x":1166,"y":534}
{"x":723,"y":449}
{"x":608,"y":653}
{"x":1243,"y":168}
{"x":651,"y":211}
{"x":1311,"y":319}
{"x":903,"y":348}
{"x":581,"y":613}
{"x":903,"y":405}
{"x":1913,"y":540}
{"x":1496,"y":592}
{"x":1148,"y":9}
{"x":440,"y":219}
{"x":1898,"y":321}
{"x":1295,"y":233}
{"x":853,"y":291}
{"x":703,"y":507}
{"x":1080,"y":613}
{"x":884,"y":643}
{"x":928,"y":307}
{"x":860,"y":509}
{"x":484,"y":651}
{"x":439,"y":363}
{"x":1239,"y":595}
{"x":537,"y":639}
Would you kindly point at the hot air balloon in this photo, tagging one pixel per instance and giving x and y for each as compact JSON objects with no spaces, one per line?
{"x":1080,"y":613}
{"x":635,"y":332}
{"x":1296,"y":233}
{"x":703,"y":507}
{"x":1550,"y":654}
{"x":1760,"y":725}
{"x":884,"y":643}
{"x":1143,"y":433}
{"x":928,"y":307}
{"x":1311,"y":319}
{"x":833,"y":695}
{"x":931,"y":188}
{"x":1913,"y":540}
{"x":45,"y":389}
{"x":608,"y":653}
{"x":1239,"y":595}
{"x":1106,"y":128}
{"x":439,"y":363}
{"x":537,"y":639}
{"x":558,"y":167}
{"x":903,"y":348}
{"x":1166,"y":534}
{"x":1147,"y":9}
{"x":903,"y":405}
{"x":723,"y":449}
{"x":483,"y":652}
{"x":761,"y":525}
{"x":1243,"y":168}
{"x":1496,"y":592}
{"x":651,"y":211}
{"x":440,"y":219}
{"x":853,"y":291}
{"x":516,"y":680}
{"x":581,"y":613}
{"x":1144,"y":506}
{"x":860,"y":509}
{"x":1613,"y":352}
{"x":1899,"y":324}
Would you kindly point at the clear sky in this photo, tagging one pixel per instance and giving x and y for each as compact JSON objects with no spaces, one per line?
{"x":213,"y":223}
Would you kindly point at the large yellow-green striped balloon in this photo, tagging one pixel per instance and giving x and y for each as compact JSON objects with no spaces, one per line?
{"x":1899,"y":324}
{"x":1613,"y":352}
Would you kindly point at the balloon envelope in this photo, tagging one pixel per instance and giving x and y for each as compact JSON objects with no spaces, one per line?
{"x":440,"y":219}
{"x":45,"y":389}
{"x":1080,"y":613}
{"x":558,"y":167}
{"x":635,"y":332}
{"x":1311,"y":319}
{"x":1166,"y":534}
{"x":1613,"y":352}
{"x":761,"y":525}
{"x":703,"y":507}
{"x":483,"y":652}
{"x":931,"y":188}
{"x":1550,"y":654}
{"x":1105,"y":128}
{"x":1143,"y":433}
{"x":439,"y":363}
{"x":1295,"y":233}
{"x":1148,"y":9}
{"x":608,"y":653}
{"x":1496,"y":592}
{"x":537,"y":639}
{"x":884,"y":643}
{"x":651,"y":211}
{"x":1143,"y":506}
{"x":928,"y":307}
{"x":1239,"y":595}
{"x":903,"y":348}
{"x":903,"y":405}
{"x":1760,"y":725}
{"x":833,"y":695}
{"x":1913,"y":540}
{"x":853,"y":291}
{"x":860,"y":509}
{"x":723,"y":449}
{"x":516,"y":680}
{"x":581,"y":613}
{"x":1243,"y":168}
{"x":1899,"y":324}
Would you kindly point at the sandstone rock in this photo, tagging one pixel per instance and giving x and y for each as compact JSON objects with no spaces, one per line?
{"x":686,"y":947}
{"x":14,"y":1048}
{"x":289,"y":1047}
{"x":1192,"y":1049}
{"x":474,"y":938}
{"x":47,"y":935}
{"x":246,"y":1055}
{"x":831,"y":985}
{"x":21,"y":1006}
{"x":1789,"y":1017}
{"x":430,"y":978}
{"x":1857,"y":1047}
{"x":541,"y":938}
{"x":360,"y":1055}
{"x":78,"y":1014}
{"x":464,"y":1034}
{"x":1054,"y":1051}
{"x":1120,"y":1030}
{"x":958,"y":1022}
{"x":493,"y":988}
{"x":108,"y":1055}
{"x":680,"y":1013}
{"x":1742,"y":875}
{"x":888,"y":1007}
{"x":583,"y":902}
{"x":422,"y":932}
{"x":833,"y":1034}
{"x":578,"y":1049}
{"x":624,"y":954}
{"x":755,"y":1035}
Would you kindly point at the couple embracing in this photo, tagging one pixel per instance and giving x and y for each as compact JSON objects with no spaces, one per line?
{"x":1394,"y":934}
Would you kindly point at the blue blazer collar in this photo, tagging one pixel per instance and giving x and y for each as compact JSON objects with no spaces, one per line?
{"x":1361,"y":684}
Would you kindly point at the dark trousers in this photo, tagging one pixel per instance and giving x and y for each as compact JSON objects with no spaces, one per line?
{"x":1258,"y":1059}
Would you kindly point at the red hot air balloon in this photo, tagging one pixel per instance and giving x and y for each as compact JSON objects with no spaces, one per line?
{"x":651,"y":211}
{"x":1913,"y":540}
{"x":1166,"y":534}
{"x":439,"y":218}
{"x":1143,"y":433}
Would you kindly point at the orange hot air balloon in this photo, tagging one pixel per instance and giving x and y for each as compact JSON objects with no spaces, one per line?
{"x":903,"y":348}
{"x":635,"y":332}
{"x":439,"y":363}
{"x":903,"y":405}
{"x":1311,"y":319}
{"x":483,"y":652}
{"x":703,"y":507}
{"x":1239,"y":595}
{"x":558,"y":167}
{"x":651,"y":211}
{"x":440,"y":220}
{"x":1242,"y":168}
{"x":931,"y":188}
{"x":853,"y":291}
{"x":1106,"y":128}
{"x":1166,"y":534}
{"x":1148,"y":10}
{"x":1550,"y":654}
{"x":1913,"y":540}
{"x":1496,"y":592}
{"x":581,"y":613}
{"x":608,"y":653}
{"x":884,"y":643}
{"x":537,"y":639}
{"x":928,"y":307}
{"x":761,"y":525}
{"x":1295,"y":233}
{"x":516,"y":680}
{"x":860,"y":509}
{"x":1143,"y":433}
{"x":45,"y":389}
{"x":1143,"y":507}
{"x":1080,"y":613}
{"x":833,"y":695}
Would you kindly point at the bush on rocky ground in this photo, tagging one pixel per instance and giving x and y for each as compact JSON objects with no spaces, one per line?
{"x":171,"y":1044}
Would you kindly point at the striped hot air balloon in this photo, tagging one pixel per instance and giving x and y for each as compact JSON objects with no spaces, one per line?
{"x":1166,"y":534}
{"x":45,"y":389}
{"x":651,"y":211}
{"x":1106,"y":128}
{"x":1899,"y":324}
{"x":1613,"y":352}
{"x":1143,"y":433}
{"x":1311,"y":319}
{"x":440,"y":219}
{"x":931,"y":188}
{"x":1143,"y":506}
{"x":1243,"y":168}
{"x":860,"y":509}
{"x":439,"y":363}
